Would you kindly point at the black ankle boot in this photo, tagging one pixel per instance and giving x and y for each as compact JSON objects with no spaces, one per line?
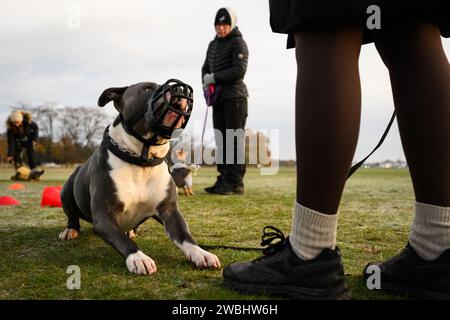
{"x":212,"y":189}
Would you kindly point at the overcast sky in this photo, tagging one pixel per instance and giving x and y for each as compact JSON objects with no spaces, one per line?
{"x":44,"y":57}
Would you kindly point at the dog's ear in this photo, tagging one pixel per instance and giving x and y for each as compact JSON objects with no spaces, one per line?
{"x":111,"y":94}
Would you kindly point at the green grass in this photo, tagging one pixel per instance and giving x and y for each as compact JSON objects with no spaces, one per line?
{"x":375,"y":215}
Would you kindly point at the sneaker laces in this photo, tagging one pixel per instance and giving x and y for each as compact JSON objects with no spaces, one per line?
{"x":273,"y":240}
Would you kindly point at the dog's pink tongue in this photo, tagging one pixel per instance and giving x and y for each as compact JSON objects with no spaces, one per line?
{"x":170,"y":118}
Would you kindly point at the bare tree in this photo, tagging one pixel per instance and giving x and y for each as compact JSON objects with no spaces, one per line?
{"x":84,"y":125}
{"x":21,"y":105}
{"x":70,"y":124}
{"x":46,"y":116}
{"x":93,"y":125}
{"x":257,"y":149}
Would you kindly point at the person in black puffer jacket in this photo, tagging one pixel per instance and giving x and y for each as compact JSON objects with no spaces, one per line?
{"x":225,"y":66}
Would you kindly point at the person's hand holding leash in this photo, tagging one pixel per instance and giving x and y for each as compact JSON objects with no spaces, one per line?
{"x":207,"y":80}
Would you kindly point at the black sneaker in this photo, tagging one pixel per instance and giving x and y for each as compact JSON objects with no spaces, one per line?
{"x":281,"y":272}
{"x":410,"y":275}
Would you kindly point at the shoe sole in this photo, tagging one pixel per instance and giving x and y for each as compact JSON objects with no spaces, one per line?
{"x":210,"y":191}
{"x":228,"y":193}
{"x":292,"y":292}
{"x":412,"y":292}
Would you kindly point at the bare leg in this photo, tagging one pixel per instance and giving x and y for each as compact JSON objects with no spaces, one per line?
{"x":328,"y":107}
{"x":420,"y":79}
{"x":327,"y":116}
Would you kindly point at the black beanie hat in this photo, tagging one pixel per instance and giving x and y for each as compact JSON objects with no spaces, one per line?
{"x":222,"y":17}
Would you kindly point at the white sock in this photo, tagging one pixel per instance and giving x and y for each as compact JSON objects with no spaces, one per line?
{"x":312,"y":232}
{"x":430,"y":231}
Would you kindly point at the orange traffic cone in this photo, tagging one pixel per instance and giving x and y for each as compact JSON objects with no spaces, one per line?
{"x":8,"y":201}
{"x":16,"y":186}
{"x":51,"y":197}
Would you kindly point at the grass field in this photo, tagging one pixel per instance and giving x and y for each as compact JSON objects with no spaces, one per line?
{"x":374,"y":219}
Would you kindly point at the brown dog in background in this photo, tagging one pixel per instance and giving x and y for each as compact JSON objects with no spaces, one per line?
{"x":25,"y":174}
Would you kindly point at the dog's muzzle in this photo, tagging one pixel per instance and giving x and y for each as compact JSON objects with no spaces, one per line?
{"x":169,"y":108}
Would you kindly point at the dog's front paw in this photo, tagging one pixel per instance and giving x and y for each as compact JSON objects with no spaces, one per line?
{"x":69,"y":234}
{"x":202,"y":258}
{"x":140,"y":263}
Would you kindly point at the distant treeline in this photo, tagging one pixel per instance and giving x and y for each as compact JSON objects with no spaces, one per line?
{"x":69,"y":135}
{"x":66,"y":134}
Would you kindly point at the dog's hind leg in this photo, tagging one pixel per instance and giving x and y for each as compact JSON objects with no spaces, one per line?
{"x":178,"y":231}
{"x":70,"y":209}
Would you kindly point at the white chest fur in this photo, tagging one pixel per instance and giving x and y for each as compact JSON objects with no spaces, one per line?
{"x":140,"y":189}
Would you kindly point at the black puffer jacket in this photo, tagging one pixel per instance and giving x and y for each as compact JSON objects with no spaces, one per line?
{"x":227,"y":59}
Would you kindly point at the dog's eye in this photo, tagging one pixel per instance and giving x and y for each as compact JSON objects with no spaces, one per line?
{"x":148,"y":89}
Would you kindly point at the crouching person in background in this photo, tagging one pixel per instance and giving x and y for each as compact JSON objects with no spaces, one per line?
{"x":22,"y":132}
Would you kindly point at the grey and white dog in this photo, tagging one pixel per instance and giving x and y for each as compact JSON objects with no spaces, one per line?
{"x":116,"y":196}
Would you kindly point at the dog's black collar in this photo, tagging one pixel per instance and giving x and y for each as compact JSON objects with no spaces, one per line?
{"x":126,"y":155}
{"x":147,"y":143}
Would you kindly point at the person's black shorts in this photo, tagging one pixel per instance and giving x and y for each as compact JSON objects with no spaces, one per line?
{"x":288,"y":16}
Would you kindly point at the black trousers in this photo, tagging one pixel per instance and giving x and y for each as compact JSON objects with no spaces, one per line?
{"x":18,"y":149}
{"x":230,"y":114}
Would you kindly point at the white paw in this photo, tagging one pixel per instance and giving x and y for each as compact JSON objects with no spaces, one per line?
{"x":69,"y":234}
{"x":200,"y":257}
{"x":140,"y":263}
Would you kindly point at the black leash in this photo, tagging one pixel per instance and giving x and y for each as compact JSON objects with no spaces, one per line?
{"x":360,"y":163}
{"x":269,"y":236}
{"x":268,"y":241}
{"x":207,"y":246}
